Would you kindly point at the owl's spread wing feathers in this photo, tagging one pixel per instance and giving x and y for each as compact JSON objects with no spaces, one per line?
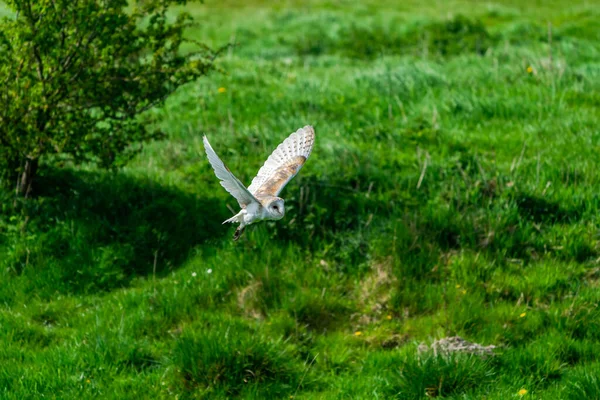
{"x":284,"y":163}
{"x":228,"y":180}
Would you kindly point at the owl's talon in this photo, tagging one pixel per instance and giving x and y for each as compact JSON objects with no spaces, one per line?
{"x":238,"y":233}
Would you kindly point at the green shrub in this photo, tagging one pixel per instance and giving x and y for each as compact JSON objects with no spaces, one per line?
{"x":77,"y":75}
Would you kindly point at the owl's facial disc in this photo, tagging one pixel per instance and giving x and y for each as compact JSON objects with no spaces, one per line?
{"x":276,"y":209}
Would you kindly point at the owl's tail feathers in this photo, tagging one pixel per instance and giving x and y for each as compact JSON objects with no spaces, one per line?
{"x":231,"y":220}
{"x":236,"y":218}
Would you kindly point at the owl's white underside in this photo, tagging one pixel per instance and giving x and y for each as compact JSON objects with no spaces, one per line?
{"x":253,"y":213}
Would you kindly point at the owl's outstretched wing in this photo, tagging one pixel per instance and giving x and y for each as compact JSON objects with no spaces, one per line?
{"x":284,"y":163}
{"x":228,"y":180}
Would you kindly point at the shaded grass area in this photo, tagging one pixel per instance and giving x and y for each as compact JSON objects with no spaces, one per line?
{"x":452,"y":191}
{"x":123,"y":227}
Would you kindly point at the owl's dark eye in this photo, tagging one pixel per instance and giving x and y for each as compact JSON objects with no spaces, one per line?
{"x":275,"y":208}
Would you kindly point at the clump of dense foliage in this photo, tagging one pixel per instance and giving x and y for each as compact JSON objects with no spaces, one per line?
{"x":77,"y":74}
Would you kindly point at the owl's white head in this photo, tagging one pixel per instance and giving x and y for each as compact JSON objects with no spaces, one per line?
{"x":276,"y":209}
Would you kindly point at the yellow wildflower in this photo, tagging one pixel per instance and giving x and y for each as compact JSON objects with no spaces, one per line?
{"x":529,"y":70}
{"x":464,"y":291}
{"x":222,"y":90}
{"x":522,"y":392}
{"x":523,"y":315}
{"x":87,"y":380}
{"x":458,"y":286}
{"x":388,"y":317}
{"x":357,"y":333}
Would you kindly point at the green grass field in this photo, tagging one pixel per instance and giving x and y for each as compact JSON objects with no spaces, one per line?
{"x":453,"y":190}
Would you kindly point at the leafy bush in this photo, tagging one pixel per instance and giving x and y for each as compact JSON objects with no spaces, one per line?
{"x":76,"y":75}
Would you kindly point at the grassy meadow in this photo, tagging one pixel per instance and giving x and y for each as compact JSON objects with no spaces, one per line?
{"x":453,"y":190}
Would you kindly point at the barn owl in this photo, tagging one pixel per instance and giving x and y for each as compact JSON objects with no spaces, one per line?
{"x":260,"y":200}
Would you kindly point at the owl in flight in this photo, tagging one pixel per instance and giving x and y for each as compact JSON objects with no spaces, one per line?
{"x":260,"y":200}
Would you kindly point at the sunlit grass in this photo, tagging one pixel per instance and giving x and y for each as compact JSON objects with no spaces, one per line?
{"x":452,"y":191}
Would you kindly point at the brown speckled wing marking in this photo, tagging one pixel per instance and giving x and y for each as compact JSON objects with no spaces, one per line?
{"x":280,"y":177}
{"x":284,"y":163}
